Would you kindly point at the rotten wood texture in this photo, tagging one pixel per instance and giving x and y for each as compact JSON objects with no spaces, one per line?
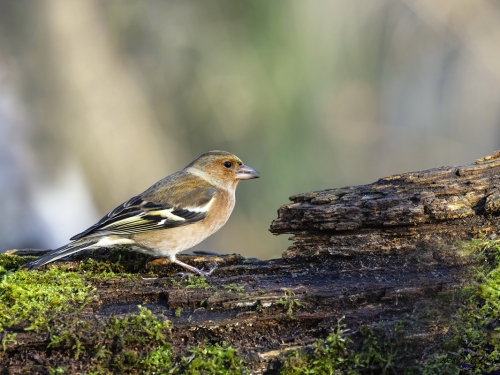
{"x":395,"y":214}
{"x":372,"y":253}
{"x":283,"y":304}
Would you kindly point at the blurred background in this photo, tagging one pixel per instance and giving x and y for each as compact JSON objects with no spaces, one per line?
{"x":100,"y":99}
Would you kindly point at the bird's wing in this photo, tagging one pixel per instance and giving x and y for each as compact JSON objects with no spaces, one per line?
{"x":180,"y":204}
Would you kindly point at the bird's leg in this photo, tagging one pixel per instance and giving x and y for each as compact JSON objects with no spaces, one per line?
{"x":212,"y":269}
{"x":173,"y":259}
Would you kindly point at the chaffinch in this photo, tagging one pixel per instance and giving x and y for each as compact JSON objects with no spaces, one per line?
{"x":171,"y":216}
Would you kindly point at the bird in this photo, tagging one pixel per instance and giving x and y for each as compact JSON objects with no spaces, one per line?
{"x":171,"y":216}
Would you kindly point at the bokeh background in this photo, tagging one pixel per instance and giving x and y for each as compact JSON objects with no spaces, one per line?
{"x":100,"y":99}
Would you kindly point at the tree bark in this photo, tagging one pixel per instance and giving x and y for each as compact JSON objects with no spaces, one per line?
{"x":396,"y":214}
{"x":372,"y":253}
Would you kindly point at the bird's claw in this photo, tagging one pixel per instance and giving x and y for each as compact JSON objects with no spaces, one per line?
{"x":199,"y":272}
{"x":196,"y":270}
{"x":209,"y":273}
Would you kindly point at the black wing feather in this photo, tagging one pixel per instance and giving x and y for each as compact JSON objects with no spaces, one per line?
{"x":137,"y":215}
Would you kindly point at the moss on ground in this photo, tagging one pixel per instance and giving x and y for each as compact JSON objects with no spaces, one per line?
{"x":381,"y":349}
{"x":31,"y":299}
{"x":193,"y":282}
{"x":234,"y":287}
{"x":289,"y":303}
{"x":12,"y":262}
{"x":470,"y":346}
{"x":476,"y":332}
{"x":216,"y":359}
{"x":135,"y":344}
{"x":328,"y":356}
{"x":100,"y":270}
{"x":140,"y":343}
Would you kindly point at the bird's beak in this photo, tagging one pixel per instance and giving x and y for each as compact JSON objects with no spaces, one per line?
{"x":246,"y":173}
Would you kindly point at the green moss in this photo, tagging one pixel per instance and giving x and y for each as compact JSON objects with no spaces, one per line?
{"x":330,"y":356}
{"x":381,"y":349}
{"x":471,"y":345}
{"x":234,"y":288}
{"x":140,"y":328}
{"x":158,"y":361}
{"x":33,"y":297}
{"x":103,"y":270}
{"x":476,"y":332}
{"x":135,"y":344}
{"x":138,"y":344}
{"x":193,"y":282}
{"x":441,"y":364}
{"x":212,"y":359}
{"x":8,"y":337}
{"x":57,"y":370}
{"x":289,"y":303}
{"x":118,"y":261}
{"x":12,"y":263}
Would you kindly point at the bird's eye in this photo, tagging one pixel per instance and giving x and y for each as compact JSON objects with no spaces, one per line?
{"x":228,"y":164}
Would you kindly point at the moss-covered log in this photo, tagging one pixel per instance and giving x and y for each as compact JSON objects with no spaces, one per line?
{"x":389,"y":257}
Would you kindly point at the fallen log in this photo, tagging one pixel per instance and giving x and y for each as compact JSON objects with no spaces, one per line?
{"x":377,"y":254}
{"x":396,"y":214}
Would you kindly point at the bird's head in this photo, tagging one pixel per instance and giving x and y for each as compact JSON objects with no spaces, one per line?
{"x":223,"y":167}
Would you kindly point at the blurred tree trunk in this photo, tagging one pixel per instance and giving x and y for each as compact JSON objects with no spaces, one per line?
{"x":105,"y":115}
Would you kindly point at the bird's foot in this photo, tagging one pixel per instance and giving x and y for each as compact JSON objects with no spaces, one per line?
{"x":196,"y":270}
{"x":209,"y":273}
{"x":204,"y":273}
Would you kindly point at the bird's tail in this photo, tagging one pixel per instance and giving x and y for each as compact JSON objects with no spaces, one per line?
{"x":64,"y":251}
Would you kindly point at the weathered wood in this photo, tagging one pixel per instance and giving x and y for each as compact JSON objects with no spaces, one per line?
{"x":371,"y":253}
{"x":400,"y":213}
{"x":256,"y":321}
